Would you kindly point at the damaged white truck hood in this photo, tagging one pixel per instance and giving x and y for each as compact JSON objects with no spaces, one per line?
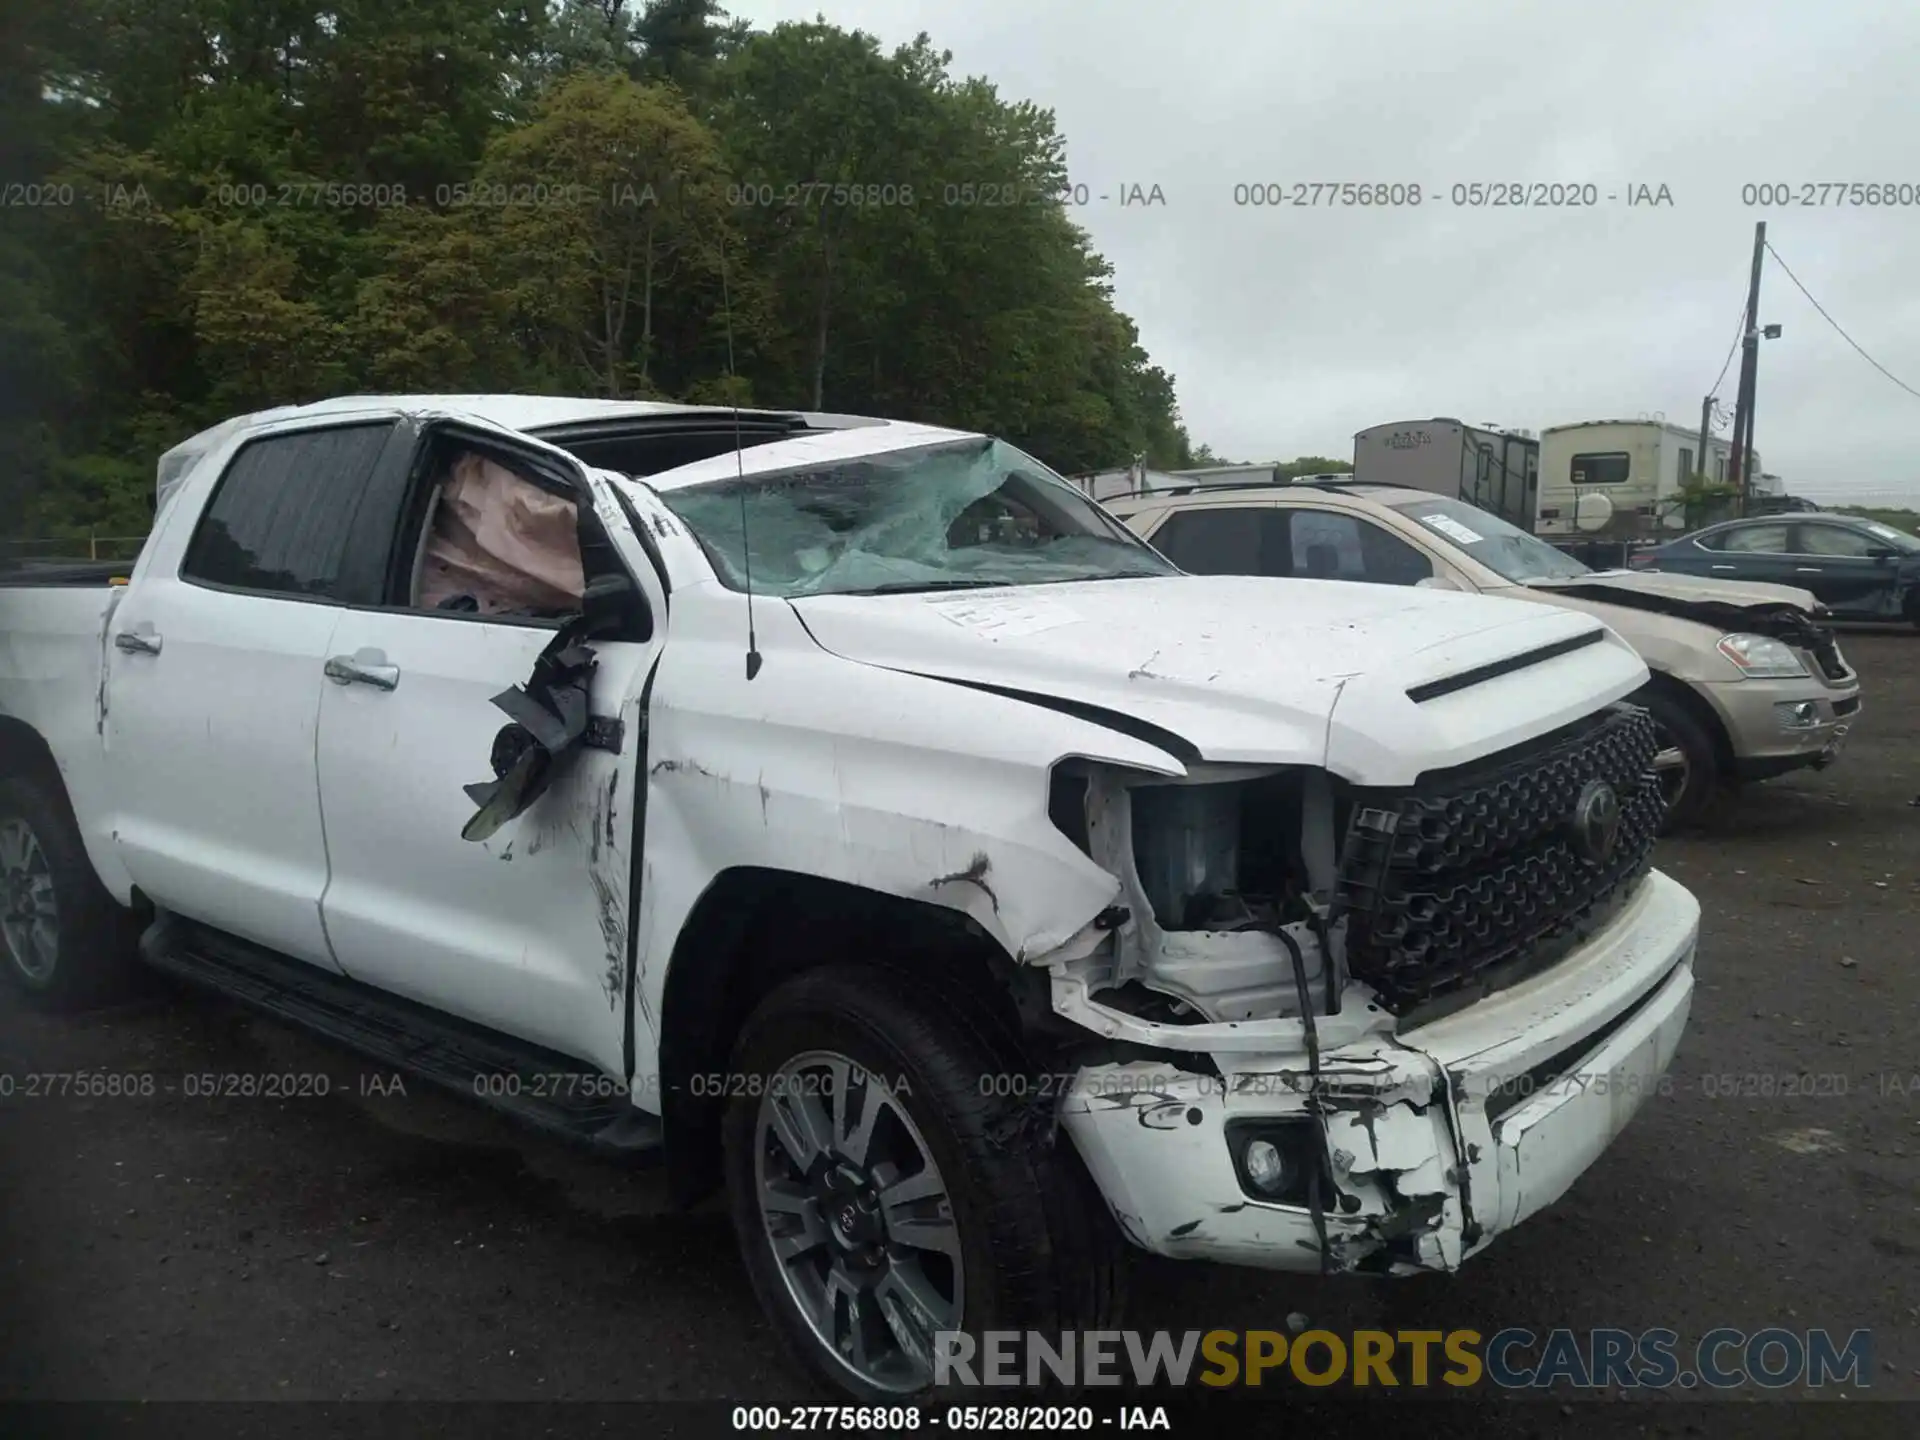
{"x":1258,"y":671}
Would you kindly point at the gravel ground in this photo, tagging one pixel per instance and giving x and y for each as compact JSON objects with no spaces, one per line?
{"x":365,"y":1245}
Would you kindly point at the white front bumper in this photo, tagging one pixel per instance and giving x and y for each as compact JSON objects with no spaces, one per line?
{"x":1439,"y":1138}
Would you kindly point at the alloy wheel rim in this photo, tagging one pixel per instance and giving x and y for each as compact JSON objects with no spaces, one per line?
{"x":29,"y":911}
{"x":858,"y":1219}
{"x":1671,"y":769}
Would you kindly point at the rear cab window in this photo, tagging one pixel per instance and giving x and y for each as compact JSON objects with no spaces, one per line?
{"x":281,"y":516}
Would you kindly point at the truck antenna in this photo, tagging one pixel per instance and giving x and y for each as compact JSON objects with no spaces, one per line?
{"x":754,"y":660}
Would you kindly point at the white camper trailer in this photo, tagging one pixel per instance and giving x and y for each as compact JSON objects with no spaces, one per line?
{"x":1638,"y":465}
{"x":1484,"y":465}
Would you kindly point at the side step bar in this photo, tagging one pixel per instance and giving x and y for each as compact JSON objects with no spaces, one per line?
{"x":556,"y":1093}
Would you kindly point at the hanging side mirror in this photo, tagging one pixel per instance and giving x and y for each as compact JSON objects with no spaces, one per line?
{"x":616,"y":608}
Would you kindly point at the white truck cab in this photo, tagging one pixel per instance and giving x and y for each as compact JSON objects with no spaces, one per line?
{"x":858,"y":818}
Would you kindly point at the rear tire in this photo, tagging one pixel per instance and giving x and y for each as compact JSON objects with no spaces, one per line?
{"x":1006,"y":1233}
{"x":1687,"y":763}
{"x":64,"y":941}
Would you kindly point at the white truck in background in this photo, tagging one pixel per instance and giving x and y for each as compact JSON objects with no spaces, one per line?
{"x":854,"y":816}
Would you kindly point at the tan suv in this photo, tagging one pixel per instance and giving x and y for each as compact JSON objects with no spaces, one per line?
{"x":1748,"y":681}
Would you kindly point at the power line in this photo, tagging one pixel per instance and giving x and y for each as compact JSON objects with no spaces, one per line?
{"x":1836,"y":325}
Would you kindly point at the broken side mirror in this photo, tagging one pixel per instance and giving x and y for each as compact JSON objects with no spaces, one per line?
{"x":615,"y":608}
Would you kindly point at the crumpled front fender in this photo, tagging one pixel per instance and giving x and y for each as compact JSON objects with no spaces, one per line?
{"x":894,"y":783}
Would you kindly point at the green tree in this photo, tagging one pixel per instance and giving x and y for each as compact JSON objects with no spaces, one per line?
{"x":634,"y":227}
{"x":238,"y":237}
{"x":1314,"y":465}
{"x":816,"y":120}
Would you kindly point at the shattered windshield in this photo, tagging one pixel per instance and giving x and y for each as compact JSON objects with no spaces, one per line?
{"x":1507,"y":550}
{"x":954,"y":515}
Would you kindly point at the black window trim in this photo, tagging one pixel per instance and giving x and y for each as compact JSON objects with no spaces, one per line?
{"x":359,"y":420}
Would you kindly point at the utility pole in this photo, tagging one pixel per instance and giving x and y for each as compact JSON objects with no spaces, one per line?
{"x":1739,"y":460}
{"x":1746,"y":445}
{"x":1700,"y":466}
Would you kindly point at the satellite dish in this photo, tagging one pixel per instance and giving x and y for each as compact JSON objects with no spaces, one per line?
{"x":1591,"y":512}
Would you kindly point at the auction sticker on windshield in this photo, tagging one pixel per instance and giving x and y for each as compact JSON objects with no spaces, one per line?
{"x":1006,"y":618}
{"x":1451,"y":528}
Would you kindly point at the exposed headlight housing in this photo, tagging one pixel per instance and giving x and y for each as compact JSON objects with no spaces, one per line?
{"x":1757,"y":657}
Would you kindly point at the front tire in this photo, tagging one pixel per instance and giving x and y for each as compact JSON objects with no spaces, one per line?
{"x":1687,"y":764}
{"x":64,"y":941}
{"x":883,"y":1193}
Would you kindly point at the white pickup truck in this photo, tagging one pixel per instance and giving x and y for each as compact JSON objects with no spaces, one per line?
{"x":856,"y":817}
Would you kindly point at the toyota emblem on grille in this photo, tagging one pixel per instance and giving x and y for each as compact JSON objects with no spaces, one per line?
{"x":1595,"y":823}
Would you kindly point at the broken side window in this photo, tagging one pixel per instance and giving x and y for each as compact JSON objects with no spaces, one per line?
{"x":498,"y":544}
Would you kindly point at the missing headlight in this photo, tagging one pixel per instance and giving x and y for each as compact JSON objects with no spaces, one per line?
{"x":1220,"y":855}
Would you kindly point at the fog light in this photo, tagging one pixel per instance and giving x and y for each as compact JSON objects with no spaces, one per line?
{"x":1280,"y":1161}
{"x":1798,"y":714}
{"x":1266,"y":1166}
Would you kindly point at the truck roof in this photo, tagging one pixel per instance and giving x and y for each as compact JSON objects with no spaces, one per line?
{"x":844,"y":435}
{"x":514,"y":412}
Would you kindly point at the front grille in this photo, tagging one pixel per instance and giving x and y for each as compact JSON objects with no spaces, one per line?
{"x":1814,"y":635}
{"x":1826,"y":653}
{"x":1483,"y":868}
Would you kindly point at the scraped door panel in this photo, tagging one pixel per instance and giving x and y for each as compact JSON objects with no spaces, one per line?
{"x":211,"y":707}
{"x":525,"y":932}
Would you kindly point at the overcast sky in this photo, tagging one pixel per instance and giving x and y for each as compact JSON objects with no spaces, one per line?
{"x":1288,"y":329}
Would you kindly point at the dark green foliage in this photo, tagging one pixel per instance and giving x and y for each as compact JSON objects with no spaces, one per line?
{"x":245,"y":203}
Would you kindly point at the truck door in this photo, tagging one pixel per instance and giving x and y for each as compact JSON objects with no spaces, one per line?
{"x":213,"y":686}
{"x":522,"y":928}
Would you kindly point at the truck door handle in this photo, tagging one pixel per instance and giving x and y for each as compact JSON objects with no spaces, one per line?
{"x":137,"y":642}
{"x":1807,"y":570}
{"x":1725,"y":567}
{"x":368,"y":667}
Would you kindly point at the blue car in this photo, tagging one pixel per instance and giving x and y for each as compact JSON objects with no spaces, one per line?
{"x":1861,"y":569}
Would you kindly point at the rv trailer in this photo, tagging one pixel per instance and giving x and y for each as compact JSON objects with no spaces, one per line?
{"x":1640,"y":466}
{"x":1494,"y":468}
